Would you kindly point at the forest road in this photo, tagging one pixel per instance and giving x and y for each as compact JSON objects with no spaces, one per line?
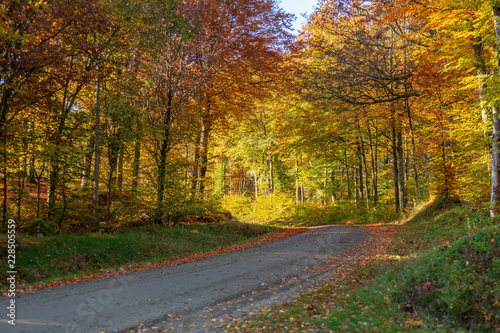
{"x":195,"y":296}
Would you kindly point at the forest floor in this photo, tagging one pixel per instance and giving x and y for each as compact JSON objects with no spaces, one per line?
{"x":437,"y":273}
{"x":199,"y":295}
{"x":435,"y":270}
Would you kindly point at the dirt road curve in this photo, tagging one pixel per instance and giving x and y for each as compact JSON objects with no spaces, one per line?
{"x":193,"y":296}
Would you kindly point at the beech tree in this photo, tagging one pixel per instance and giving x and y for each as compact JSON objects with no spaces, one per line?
{"x":240,"y":51}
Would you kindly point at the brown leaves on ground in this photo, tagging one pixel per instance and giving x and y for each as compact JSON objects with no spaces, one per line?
{"x":319,"y":303}
{"x":283,"y":233}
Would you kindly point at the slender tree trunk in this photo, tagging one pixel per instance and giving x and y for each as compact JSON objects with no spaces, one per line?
{"x":334,"y":192}
{"x":135,"y":165}
{"x":205,"y":131}
{"x":52,"y":185}
{"x":196,"y":164}
{"x":302,"y":192}
{"x":341,"y":184}
{"x":374,"y":171}
{"x":65,"y":201}
{"x":297,"y":188}
{"x":243,"y":183}
{"x":162,"y":160}
{"x":401,"y":174}
{"x":410,"y":123}
{"x":348,"y":178}
{"x":271,"y":173}
{"x":495,"y":177}
{"x":186,"y":175}
{"x":482,"y":71}
{"x":38,"y":187}
{"x":113,"y":152}
{"x":361,"y":182}
{"x":224,"y":164}
{"x":324,"y":201}
{"x":495,"y":135}
{"x":366,"y":184}
{"x":119,"y":180}
{"x":21,"y":178}
{"x":97,"y":134}
{"x":395,"y":165}
{"x":413,"y":149}
{"x":355,"y":182}
{"x":256,"y":185}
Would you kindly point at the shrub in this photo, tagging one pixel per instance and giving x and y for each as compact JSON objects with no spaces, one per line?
{"x":458,"y":283}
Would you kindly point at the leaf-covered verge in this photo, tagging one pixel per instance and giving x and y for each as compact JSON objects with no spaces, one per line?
{"x":439,"y":274}
{"x":63,"y":259}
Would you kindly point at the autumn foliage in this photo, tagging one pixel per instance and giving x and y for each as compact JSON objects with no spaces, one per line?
{"x":114,"y":112}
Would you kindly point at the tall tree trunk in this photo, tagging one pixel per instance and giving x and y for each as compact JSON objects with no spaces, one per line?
{"x":242,"y":183}
{"x":52,"y":185}
{"x":495,"y":151}
{"x":97,"y":134}
{"x":205,"y":131}
{"x":395,"y":164}
{"x":413,"y":149}
{"x":224,"y":164}
{"x":297,"y":188}
{"x":341,"y":191}
{"x":113,"y":152}
{"x":136,"y":164}
{"x":355,"y":182}
{"x":162,"y":159}
{"x":302,"y":192}
{"x":410,"y":123}
{"x":366,"y":184}
{"x":361,"y":182}
{"x":347,"y":177}
{"x":332,"y":181}
{"x":196,"y":164}
{"x":403,"y":200}
{"x":21,"y":182}
{"x":119,"y":179}
{"x":271,"y":173}
{"x":186,"y":175}
{"x":256,"y":185}
{"x":374,"y":166}
{"x":324,"y":200}
{"x":482,"y":71}
{"x":38,"y":177}
{"x":495,"y":135}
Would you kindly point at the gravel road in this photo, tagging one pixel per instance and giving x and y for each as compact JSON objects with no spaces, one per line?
{"x":190,"y":297}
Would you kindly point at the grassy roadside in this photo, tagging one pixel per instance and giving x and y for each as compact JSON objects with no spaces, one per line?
{"x":40,"y":260}
{"x":440,"y":274}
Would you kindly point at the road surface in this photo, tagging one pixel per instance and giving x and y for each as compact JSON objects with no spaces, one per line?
{"x":190,"y":297}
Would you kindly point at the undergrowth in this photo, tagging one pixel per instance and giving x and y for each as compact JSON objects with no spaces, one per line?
{"x":281,"y":209}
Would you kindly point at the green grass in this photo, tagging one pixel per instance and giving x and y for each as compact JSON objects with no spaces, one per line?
{"x":48,"y":258}
{"x":441,"y":274}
